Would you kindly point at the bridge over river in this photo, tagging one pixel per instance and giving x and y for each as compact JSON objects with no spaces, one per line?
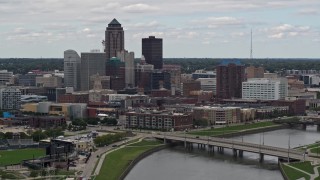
{"x":237,"y":147}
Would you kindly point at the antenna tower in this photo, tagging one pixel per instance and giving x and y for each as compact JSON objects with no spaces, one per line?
{"x":251,"y":45}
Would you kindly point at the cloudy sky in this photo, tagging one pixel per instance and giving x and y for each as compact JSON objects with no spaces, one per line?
{"x":189,"y":28}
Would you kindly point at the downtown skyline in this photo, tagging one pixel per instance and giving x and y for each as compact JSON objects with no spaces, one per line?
{"x":212,"y":29}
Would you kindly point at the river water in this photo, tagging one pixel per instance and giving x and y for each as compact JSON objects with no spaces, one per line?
{"x":178,"y":164}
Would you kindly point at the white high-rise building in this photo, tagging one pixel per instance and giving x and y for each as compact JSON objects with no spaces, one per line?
{"x":10,"y":98}
{"x":72,"y":69}
{"x":128,"y":59}
{"x":265,"y":88}
{"x":5,"y":77}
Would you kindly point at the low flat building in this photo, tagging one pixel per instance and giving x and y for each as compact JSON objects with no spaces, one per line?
{"x":158,"y":120}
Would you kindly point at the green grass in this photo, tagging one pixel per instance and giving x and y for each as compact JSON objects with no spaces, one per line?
{"x":8,"y":157}
{"x":294,"y":174}
{"x":116,"y":162}
{"x":232,"y":129}
{"x":316,"y":150}
{"x":318,"y":178}
{"x":305,"y":166}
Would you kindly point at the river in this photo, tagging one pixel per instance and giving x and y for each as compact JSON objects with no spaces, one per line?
{"x":178,"y":164}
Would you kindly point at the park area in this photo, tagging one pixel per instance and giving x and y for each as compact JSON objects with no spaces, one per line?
{"x":232,"y":129}
{"x":116,"y":162}
{"x":300,"y":170}
{"x":9,"y":157}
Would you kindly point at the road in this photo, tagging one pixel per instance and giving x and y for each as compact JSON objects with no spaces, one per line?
{"x":89,"y":167}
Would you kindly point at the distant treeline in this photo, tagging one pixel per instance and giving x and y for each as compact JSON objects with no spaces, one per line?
{"x":189,"y":65}
{"x":24,"y":65}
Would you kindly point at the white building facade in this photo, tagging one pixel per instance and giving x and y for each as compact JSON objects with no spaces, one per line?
{"x":10,"y":98}
{"x":265,"y":88}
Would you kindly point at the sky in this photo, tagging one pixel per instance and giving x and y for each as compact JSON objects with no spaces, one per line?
{"x":189,"y":28}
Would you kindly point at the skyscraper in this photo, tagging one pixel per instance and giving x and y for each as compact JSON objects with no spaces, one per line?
{"x":128,"y":59}
{"x":91,"y":63}
{"x":152,"y":51}
{"x":71,"y":69}
{"x":114,"y":39}
{"x":230,"y":75}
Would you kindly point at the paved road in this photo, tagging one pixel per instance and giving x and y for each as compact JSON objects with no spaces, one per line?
{"x":89,"y":167}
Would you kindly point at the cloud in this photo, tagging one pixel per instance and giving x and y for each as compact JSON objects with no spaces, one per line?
{"x":287,"y":30}
{"x":139,"y":8}
{"x":309,"y":11}
{"x":218,"y":22}
{"x":152,"y":24}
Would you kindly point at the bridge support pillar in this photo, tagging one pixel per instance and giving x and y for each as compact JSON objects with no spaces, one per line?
{"x":240,"y":153}
{"x":261,"y":157}
{"x":234,"y":152}
{"x":318,"y":127}
{"x":185,"y":144}
{"x":220,"y":150}
{"x":304,"y":126}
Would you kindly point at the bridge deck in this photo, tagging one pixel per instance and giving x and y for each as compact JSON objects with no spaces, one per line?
{"x":244,"y":146}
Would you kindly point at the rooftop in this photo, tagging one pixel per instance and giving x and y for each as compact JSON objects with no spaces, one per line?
{"x":114,"y":23}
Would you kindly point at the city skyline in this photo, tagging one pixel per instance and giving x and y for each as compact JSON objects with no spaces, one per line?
{"x":213,"y":29}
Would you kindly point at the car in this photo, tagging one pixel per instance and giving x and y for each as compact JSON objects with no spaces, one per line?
{"x":114,"y":145}
{"x":197,"y":136}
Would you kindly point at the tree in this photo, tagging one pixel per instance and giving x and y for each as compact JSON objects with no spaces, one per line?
{"x":38,"y":135}
{"x":109,"y":121}
{"x":200,"y":122}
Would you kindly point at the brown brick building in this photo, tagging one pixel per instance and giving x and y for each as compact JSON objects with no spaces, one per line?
{"x":159,"y":120}
{"x":230,"y":75}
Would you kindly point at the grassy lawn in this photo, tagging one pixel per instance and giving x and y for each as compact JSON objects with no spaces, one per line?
{"x":116,"y":162}
{"x":305,"y":166}
{"x":8,"y":157}
{"x":294,"y":174}
{"x":316,"y":150}
{"x":231,"y":129}
{"x":318,"y":178}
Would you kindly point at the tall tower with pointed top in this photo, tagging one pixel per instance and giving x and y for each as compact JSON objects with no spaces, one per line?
{"x":114,"y":39}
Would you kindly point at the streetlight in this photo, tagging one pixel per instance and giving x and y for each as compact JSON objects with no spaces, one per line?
{"x":289,"y":149}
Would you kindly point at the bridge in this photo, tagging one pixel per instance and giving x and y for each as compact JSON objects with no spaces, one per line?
{"x":303,"y":120}
{"x":237,"y":147}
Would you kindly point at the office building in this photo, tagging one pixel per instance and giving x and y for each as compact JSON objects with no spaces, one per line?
{"x":128,"y":59}
{"x":72,"y":69}
{"x":208,"y":84}
{"x":116,"y":70}
{"x":255,"y":72}
{"x":265,"y":89}
{"x":10,"y":98}
{"x":160,"y":79}
{"x":188,"y":87}
{"x":175,"y":74}
{"x":91,"y":64}
{"x":230,"y":75}
{"x":152,"y":51}
{"x":5,"y":77}
{"x":48,"y":80}
{"x":203,"y":74}
{"x":114,"y":39}
{"x":143,"y":74}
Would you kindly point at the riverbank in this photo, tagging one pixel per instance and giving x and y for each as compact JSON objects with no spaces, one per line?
{"x":117,"y":164}
{"x":239,"y":130}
